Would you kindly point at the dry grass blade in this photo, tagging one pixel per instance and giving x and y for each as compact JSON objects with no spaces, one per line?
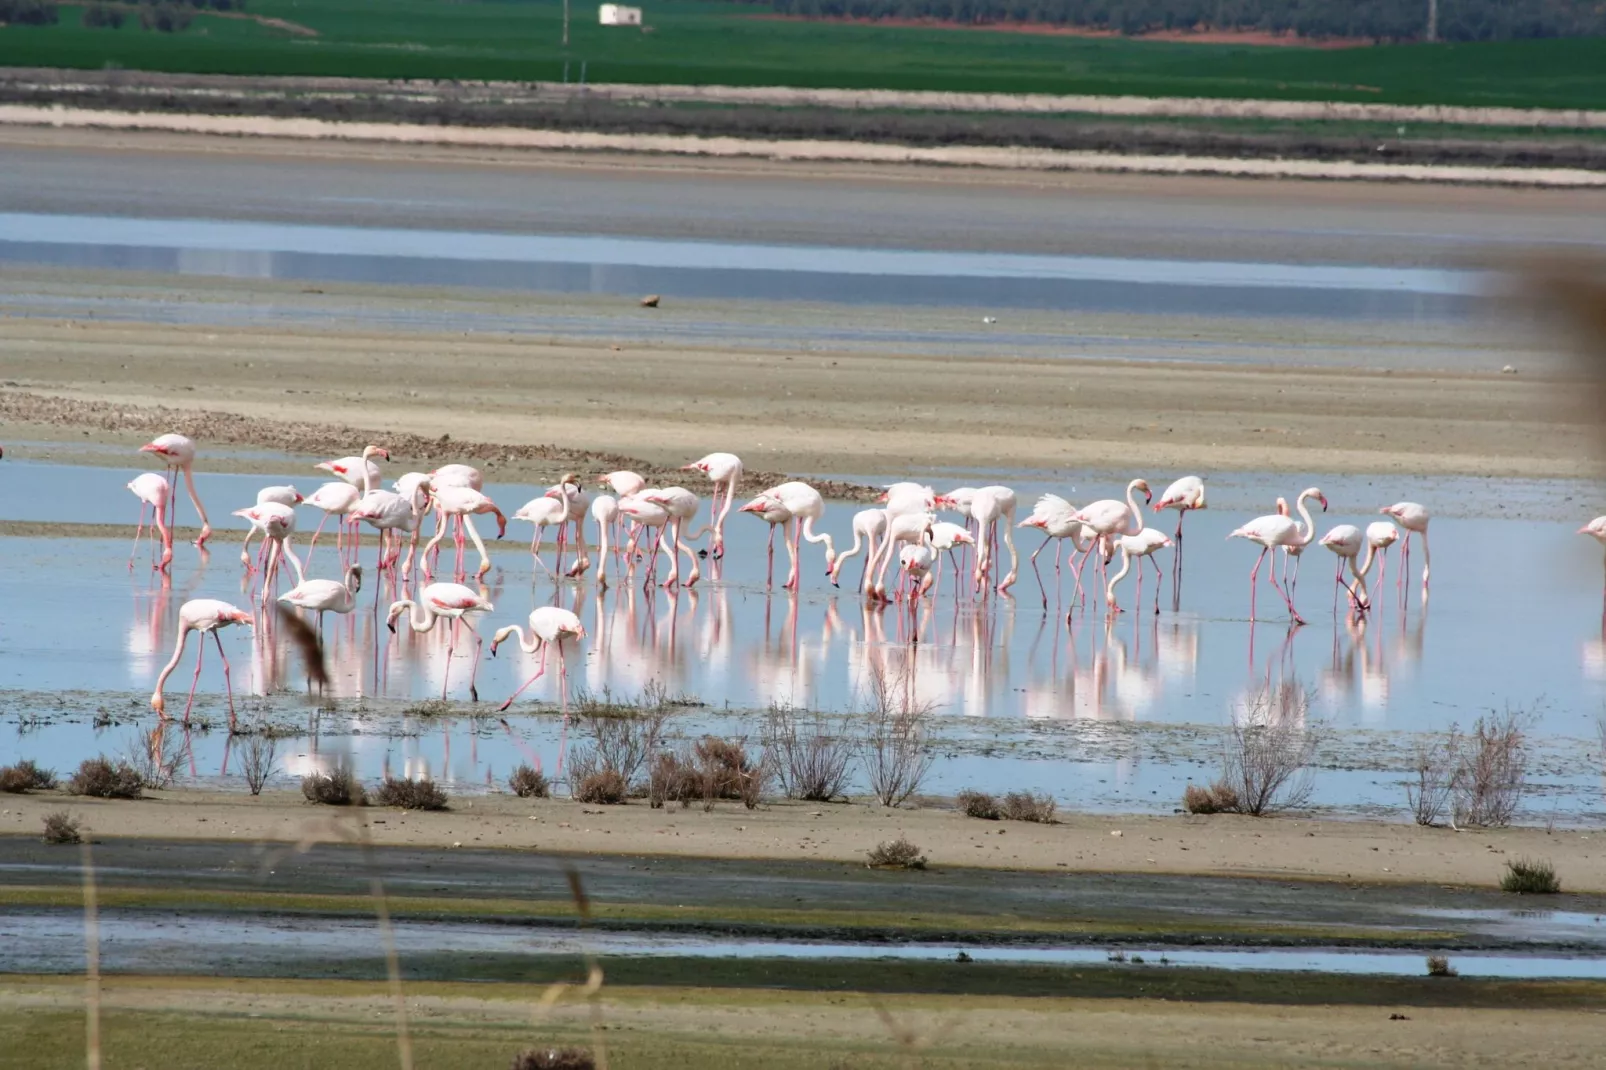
{"x":306,"y":642}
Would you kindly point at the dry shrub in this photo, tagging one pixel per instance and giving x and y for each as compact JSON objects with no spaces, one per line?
{"x":526,"y":783}
{"x":896,"y":754}
{"x":810,"y":763}
{"x":673,"y":778}
{"x":896,"y":854}
{"x":155,"y":757}
{"x":61,"y":827}
{"x":605,"y":786}
{"x":1439,"y":966}
{"x":1024,"y":806}
{"x":100,"y":779}
{"x":554,"y":1059}
{"x":26,"y":776}
{"x":1527,"y":877}
{"x":338,"y":787}
{"x":1492,"y":771}
{"x":410,"y":794}
{"x":978,"y":804}
{"x":1218,"y":798}
{"x":1437,"y":765}
{"x":258,"y":757}
{"x":621,"y":743}
{"x":1269,"y":750}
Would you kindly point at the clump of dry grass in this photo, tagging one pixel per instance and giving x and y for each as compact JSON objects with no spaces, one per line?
{"x":896,"y":854}
{"x":554,"y":1059}
{"x":1266,"y":762}
{"x":810,"y":763}
{"x":1218,"y":798}
{"x":25,"y":776}
{"x":978,"y":804}
{"x":62,"y":828}
{"x":100,"y":779}
{"x":410,"y":794}
{"x":338,"y":787}
{"x":526,"y":783}
{"x":606,"y":787}
{"x":1025,"y":806}
{"x":258,"y":757}
{"x":1493,"y":770}
{"x":1437,"y":764}
{"x":1439,"y":966}
{"x":895,"y":751}
{"x":1527,"y":877}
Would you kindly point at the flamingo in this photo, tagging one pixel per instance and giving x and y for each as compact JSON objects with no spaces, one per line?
{"x":439,"y":600}
{"x":989,"y":506}
{"x":178,"y":455}
{"x":200,"y":615}
{"x":1346,"y":541}
{"x":772,"y":512}
{"x":358,"y":471}
{"x":1595,"y":529}
{"x":543,"y":512}
{"x":605,"y":511}
{"x":681,"y":504}
{"x":549,"y":626}
{"x":1056,"y":518}
{"x":575,"y":503}
{"x":807,"y":508}
{"x":1143,"y":546}
{"x":1279,"y":530}
{"x":724,"y":470}
{"x":643,"y":512}
{"x":326,"y":596}
{"x":153,"y":493}
{"x":1111,"y":517}
{"x":286,"y":496}
{"x":623,"y":482}
{"x":1185,"y":495}
{"x":333,"y":499}
{"x":916,"y":561}
{"x":277,"y":523}
{"x":902,"y":499}
{"x":388,"y":511}
{"x":1380,"y":535}
{"x":907,"y":529}
{"x":463,"y":503}
{"x":869,"y":528}
{"x":1414,"y":519}
{"x":945,"y":536}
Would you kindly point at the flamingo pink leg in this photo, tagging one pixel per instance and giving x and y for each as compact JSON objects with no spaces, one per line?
{"x":138,"y":530}
{"x":196,"y":679}
{"x":228,"y":684}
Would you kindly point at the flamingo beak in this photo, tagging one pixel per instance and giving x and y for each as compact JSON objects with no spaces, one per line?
{"x":691,"y":468}
{"x":1324,"y":502}
{"x":493,"y":647}
{"x":151,"y":447}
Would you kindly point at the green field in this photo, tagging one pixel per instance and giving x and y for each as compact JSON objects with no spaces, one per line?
{"x":718,"y":44}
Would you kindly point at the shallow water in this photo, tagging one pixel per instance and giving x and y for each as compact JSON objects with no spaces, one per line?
{"x":707,"y":269}
{"x":51,"y":942}
{"x":1113,"y":714}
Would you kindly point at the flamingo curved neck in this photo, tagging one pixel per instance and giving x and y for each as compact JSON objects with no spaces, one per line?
{"x":1308,"y":532}
{"x":1132,"y":504}
{"x":419,"y":618}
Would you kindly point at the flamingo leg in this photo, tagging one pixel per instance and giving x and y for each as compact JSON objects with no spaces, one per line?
{"x":769,"y":571}
{"x":474,"y":670}
{"x":139,"y":529}
{"x":200,"y":652}
{"x":1158,"y":577}
{"x":1040,"y":588}
{"x":451,"y":642}
{"x":313,"y":545}
{"x":228,"y":685}
{"x":1254,"y":574}
{"x":525,"y":685}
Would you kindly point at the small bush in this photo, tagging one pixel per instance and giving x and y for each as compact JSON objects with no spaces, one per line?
{"x":1493,"y":770}
{"x":978,"y":804}
{"x":100,"y":779}
{"x":410,"y":794}
{"x":554,"y":1059}
{"x":61,"y":827}
{"x":1024,"y":806}
{"x":1269,"y":750}
{"x":26,"y":776}
{"x":1527,"y":877}
{"x":526,"y":783}
{"x":895,"y":750}
{"x":97,"y":16}
{"x":811,"y":764}
{"x":1218,"y":798}
{"x":29,"y":13}
{"x":258,"y":756}
{"x":896,"y":854}
{"x":1439,"y":966}
{"x":165,"y":18}
{"x":671,"y":777}
{"x":605,"y":787}
{"x":338,"y":787}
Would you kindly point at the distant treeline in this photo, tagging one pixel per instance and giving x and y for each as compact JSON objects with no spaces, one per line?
{"x":1377,"y":20}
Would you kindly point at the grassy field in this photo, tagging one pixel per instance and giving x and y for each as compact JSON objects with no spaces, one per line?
{"x":715,"y":44}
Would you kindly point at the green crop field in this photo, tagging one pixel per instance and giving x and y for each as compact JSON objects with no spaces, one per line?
{"x":717,"y":44}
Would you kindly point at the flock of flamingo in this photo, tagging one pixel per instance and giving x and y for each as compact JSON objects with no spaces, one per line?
{"x":638,"y":525}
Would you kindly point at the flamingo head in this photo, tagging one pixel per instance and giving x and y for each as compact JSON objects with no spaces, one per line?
{"x":1148,"y":496}
{"x":501,"y":522}
{"x":578,"y":631}
{"x":964,"y":537}
{"x":757,"y":505}
{"x":695,"y":466}
{"x":396,"y":610}
{"x":159,"y":704}
{"x":237,"y":616}
{"x":376,"y":451}
{"x":1030,"y":522}
{"x":1323,"y":499}
{"x":160,"y":451}
{"x":1389,"y":510}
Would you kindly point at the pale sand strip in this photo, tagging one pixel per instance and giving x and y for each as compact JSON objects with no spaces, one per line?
{"x":838,"y":151}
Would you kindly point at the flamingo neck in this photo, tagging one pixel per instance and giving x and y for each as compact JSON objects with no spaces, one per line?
{"x":1309,"y":532}
{"x":1132,"y":504}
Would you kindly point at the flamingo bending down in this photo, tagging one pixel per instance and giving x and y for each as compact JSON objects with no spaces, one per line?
{"x":439,"y":600}
{"x":326,"y":596}
{"x":869,"y":528}
{"x":277,"y":523}
{"x":333,"y":499}
{"x":1380,"y":535}
{"x":605,"y":511}
{"x":908,"y":529}
{"x":902,"y":499}
{"x":1185,"y":495}
{"x":773,"y":513}
{"x":724,"y":470}
{"x":1056,"y":518}
{"x":681,"y":504}
{"x":807,"y":508}
{"x":945,"y":536}
{"x":200,"y":615}
{"x":1143,"y":546}
{"x":917,"y":561}
{"x":287,"y":496}
{"x":391,"y":513}
{"x":989,"y":506}
{"x":575,"y":503}
{"x":463,"y":503}
{"x":1279,"y":531}
{"x":549,"y":626}
{"x":178,"y":455}
{"x":1414,"y":519}
{"x":1346,"y":541}
{"x":153,"y":493}
{"x":645,"y":513}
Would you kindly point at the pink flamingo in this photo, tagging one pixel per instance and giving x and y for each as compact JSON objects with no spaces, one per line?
{"x":178,"y":455}
{"x":153,"y":492}
{"x":945,"y":538}
{"x":1380,"y":535}
{"x":903,"y":530}
{"x":1056,"y":518}
{"x":542,"y":512}
{"x":724,"y":470}
{"x":575,"y":504}
{"x":202,"y":615}
{"x":605,"y":511}
{"x":439,"y":600}
{"x":990,"y":505}
{"x":277,"y":523}
{"x":1185,"y":495}
{"x":869,"y":528}
{"x":1346,"y":541}
{"x":1414,"y":519}
{"x":807,"y":507}
{"x":463,"y":503}
{"x":549,"y":626}
{"x":326,"y":596}
{"x":681,"y":504}
{"x":286,"y":496}
{"x":645,"y":513}
{"x":1279,"y":531}
{"x":333,"y":499}
{"x":1110,"y":517}
{"x":1143,"y":546}
{"x":772,"y":512}
{"x":358,"y":471}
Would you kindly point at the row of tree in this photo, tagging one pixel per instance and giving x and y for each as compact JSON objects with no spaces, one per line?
{"x":1377,"y":20}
